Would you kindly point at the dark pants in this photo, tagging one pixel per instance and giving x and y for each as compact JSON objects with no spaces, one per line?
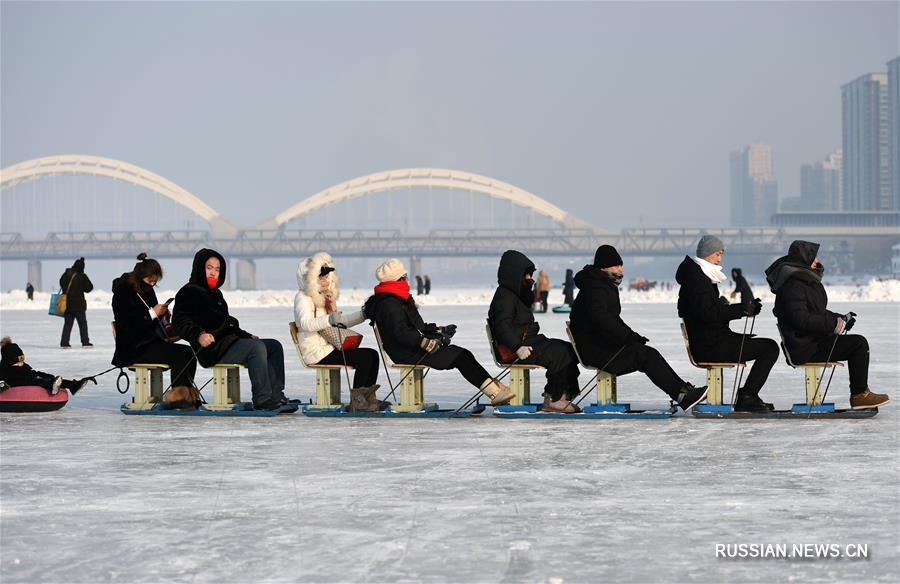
{"x":763,"y":351}
{"x":68,"y":320}
{"x":558,"y":357}
{"x":453,"y":357}
{"x":544,"y":296}
{"x":179,"y":358}
{"x":851,"y":348}
{"x":264,"y":359}
{"x":638,"y":357}
{"x":363,"y":361}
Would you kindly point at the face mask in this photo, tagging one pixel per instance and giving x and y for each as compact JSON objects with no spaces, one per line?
{"x":616,"y":278}
{"x":211,"y":282}
{"x":526,"y":292}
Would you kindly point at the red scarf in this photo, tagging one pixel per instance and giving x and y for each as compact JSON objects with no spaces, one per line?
{"x":397,"y":288}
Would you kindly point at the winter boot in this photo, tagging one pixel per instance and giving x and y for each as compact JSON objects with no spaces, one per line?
{"x":868,"y":400}
{"x":3,"y":386}
{"x":560,"y":406}
{"x":57,"y":383}
{"x":749,"y":401}
{"x":691,"y":396}
{"x":359,"y":401}
{"x":369,"y":392}
{"x":497,"y":392}
{"x":76,"y":385}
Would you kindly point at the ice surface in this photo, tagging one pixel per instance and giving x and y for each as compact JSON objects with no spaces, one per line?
{"x":90,"y":495}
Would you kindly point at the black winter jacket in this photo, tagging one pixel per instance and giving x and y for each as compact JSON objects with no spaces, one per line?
{"x":800,"y":301}
{"x":135,"y":328}
{"x":595,"y":320}
{"x":400,"y":324}
{"x":81,"y":285}
{"x":741,"y":286}
{"x":511,"y":319}
{"x":22,"y":375}
{"x":706,"y":314}
{"x":199,"y":309}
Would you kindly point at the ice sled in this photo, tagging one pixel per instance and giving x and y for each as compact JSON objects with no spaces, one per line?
{"x":31,"y":398}
{"x":427,"y":411}
{"x":244,"y":410}
{"x":813,"y":408}
{"x":565,"y":308}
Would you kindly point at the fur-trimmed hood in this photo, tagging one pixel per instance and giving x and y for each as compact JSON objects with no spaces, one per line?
{"x":308,"y":278}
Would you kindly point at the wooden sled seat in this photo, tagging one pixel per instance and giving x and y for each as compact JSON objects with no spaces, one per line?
{"x":412,"y":384}
{"x":812,"y":372}
{"x":605,"y":381}
{"x":328,"y":377}
{"x":714,"y":375}
{"x":519,"y":373}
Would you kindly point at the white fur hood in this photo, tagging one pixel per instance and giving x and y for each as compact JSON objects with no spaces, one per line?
{"x":308,"y":278}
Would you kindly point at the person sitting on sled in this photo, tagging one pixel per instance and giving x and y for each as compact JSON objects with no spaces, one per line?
{"x":142,"y":335}
{"x":811,"y":332}
{"x":409,"y":340}
{"x":201,"y":317}
{"x":316,"y":312}
{"x":15,"y":372}
{"x":518,"y":335}
{"x":706,"y":316}
{"x":605,"y":341}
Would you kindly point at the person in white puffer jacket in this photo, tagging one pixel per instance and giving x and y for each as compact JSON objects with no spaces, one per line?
{"x":315,"y":309}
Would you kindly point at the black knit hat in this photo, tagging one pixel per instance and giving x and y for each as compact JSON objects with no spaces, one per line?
{"x":607,"y":257}
{"x":10,"y":352}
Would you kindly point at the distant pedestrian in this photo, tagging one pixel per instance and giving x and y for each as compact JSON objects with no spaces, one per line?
{"x":543,"y":289}
{"x":569,"y":288}
{"x":420,"y":286}
{"x":75,"y":283}
{"x":29,"y":290}
{"x":741,"y":286}
{"x":427,"y":285}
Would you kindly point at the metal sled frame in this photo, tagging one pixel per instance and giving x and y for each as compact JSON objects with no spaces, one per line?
{"x":519,"y":375}
{"x":714,"y":372}
{"x":328,"y":377}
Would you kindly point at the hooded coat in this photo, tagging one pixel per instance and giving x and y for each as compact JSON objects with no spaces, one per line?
{"x":135,"y":328}
{"x":706,"y":314}
{"x":595,"y":321}
{"x":80,"y":285}
{"x":309,"y":307}
{"x":510,"y":318}
{"x":800,"y":301}
{"x":199,"y":309}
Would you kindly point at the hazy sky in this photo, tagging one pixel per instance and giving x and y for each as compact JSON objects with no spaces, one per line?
{"x":617,"y":112}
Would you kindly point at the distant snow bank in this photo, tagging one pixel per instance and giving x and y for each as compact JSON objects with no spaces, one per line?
{"x":874,"y":290}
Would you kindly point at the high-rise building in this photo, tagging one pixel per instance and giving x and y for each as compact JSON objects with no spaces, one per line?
{"x":893,"y":88}
{"x":867,"y":180}
{"x":820,"y":184}
{"x":754,"y":189}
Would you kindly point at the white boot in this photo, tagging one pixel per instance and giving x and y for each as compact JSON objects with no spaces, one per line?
{"x":497,"y":392}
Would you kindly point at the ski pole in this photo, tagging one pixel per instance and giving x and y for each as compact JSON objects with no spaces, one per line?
{"x":344,"y":355}
{"x":740,"y":354}
{"x":833,"y":367}
{"x":478,"y":393}
{"x":598,"y":374}
{"x":741,"y":375}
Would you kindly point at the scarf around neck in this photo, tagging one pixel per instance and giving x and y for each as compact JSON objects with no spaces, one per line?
{"x":397,"y":288}
{"x":711,"y":271}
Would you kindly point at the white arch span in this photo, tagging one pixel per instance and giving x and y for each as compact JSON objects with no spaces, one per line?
{"x":423,"y":177}
{"x":108,"y":167}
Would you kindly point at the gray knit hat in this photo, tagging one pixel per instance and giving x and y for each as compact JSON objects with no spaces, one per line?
{"x":709,"y":244}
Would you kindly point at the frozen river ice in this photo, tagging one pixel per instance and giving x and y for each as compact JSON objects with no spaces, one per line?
{"x":90,"y":495}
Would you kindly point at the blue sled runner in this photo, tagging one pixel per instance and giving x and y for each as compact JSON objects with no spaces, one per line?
{"x":239,"y":410}
{"x":621,"y":411}
{"x":798,"y":412}
{"x":427,"y":411}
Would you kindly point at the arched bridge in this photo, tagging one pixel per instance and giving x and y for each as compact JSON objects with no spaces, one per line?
{"x":568,"y":237}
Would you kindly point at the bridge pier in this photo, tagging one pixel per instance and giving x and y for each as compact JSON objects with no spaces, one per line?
{"x":34,"y":275}
{"x":245,"y":275}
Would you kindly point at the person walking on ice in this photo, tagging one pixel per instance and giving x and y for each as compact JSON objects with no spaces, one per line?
{"x":75,"y":283}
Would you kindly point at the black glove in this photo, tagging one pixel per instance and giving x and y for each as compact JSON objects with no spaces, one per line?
{"x":850,"y":318}
{"x":753,"y":307}
{"x":636,"y":338}
{"x":430,"y":327}
{"x":449,"y":330}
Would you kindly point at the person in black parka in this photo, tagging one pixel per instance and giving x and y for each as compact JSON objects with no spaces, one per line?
{"x":15,"y":372}
{"x":809,"y":328}
{"x":408,"y":340}
{"x":141,"y":336}
{"x":514,"y":328}
{"x":605,"y":341}
{"x":75,"y":283}
{"x":201,"y":317}
{"x":707,"y":316}
{"x":569,"y":289}
{"x":741,"y":286}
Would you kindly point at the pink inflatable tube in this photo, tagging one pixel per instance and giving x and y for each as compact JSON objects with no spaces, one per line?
{"x":31,"y":398}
